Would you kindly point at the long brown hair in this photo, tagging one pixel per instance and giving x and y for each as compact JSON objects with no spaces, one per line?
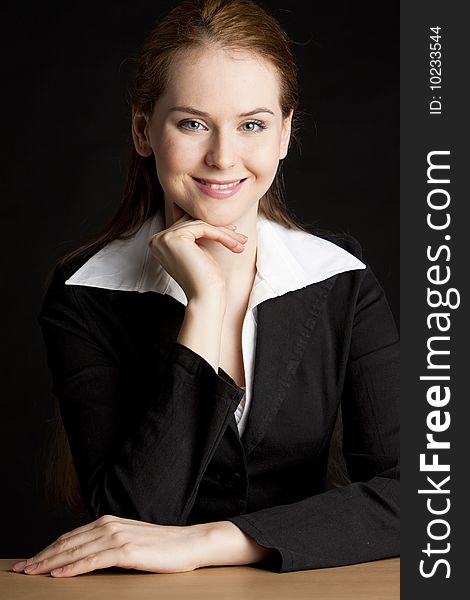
{"x":231,"y":24}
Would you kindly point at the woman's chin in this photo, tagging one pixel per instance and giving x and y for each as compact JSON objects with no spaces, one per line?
{"x":215,"y":218}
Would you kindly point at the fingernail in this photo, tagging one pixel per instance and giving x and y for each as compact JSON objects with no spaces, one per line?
{"x":232,"y":226}
{"x":31,"y":567}
{"x":57,"y":571}
{"x":19,"y":566}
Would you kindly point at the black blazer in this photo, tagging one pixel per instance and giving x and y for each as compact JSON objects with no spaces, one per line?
{"x":152,"y":429}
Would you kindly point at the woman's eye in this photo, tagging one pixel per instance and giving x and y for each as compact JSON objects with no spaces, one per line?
{"x":189,"y":125}
{"x":254,"y":126}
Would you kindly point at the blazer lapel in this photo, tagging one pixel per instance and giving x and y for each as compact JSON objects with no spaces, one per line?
{"x":285,"y":324}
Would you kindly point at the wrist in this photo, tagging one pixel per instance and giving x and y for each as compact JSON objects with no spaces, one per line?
{"x":223,"y":543}
{"x":215,"y":301}
{"x":201,"y":328}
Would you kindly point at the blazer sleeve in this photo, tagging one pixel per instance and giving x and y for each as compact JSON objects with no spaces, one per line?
{"x":149,"y":469}
{"x":357,"y":522}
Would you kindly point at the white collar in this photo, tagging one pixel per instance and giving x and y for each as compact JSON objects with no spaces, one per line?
{"x":287,"y":260}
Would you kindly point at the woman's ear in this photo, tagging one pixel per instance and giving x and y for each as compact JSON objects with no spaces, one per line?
{"x":140,"y":133}
{"x":285,"y":135}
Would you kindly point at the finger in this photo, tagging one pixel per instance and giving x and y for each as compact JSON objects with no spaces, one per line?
{"x":233,"y":240}
{"x":47,"y":551}
{"x":195,"y":230}
{"x":63,"y":545}
{"x":191,"y":222}
{"x":73,"y":532}
{"x":236,"y":234}
{"x":77,"y":530}
{"x":92,"y":562}
{"x":71,"y":555}
{"x":230,"y":239}
{"x":80,"y":535}
{"x":231,"y":228}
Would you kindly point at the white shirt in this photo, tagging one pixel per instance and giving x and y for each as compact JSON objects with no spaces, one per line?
{"x":286,"y":260}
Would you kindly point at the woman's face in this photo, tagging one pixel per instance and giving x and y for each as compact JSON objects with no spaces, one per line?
{"x":219,"y":120}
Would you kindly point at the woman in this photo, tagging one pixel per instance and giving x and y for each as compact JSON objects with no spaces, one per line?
{"x":201,"y":347}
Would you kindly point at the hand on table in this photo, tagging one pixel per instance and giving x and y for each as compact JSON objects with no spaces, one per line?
{"x":115,"y":542}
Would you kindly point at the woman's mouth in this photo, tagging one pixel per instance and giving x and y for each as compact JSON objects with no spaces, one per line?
{"x":220,"y":189}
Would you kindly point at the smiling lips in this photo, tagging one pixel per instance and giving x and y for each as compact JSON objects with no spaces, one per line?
{"x":219,"y":189}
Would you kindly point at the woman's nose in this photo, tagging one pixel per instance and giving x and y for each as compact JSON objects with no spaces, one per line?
{"x":221,"y":152}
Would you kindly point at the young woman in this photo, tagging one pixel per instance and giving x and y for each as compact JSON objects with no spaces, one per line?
{"x":202,"y":346}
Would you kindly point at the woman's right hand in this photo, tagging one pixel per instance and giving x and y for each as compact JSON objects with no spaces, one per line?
{"x":190,"y":264}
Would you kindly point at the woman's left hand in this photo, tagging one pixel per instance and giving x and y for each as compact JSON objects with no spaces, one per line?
{"x":115,"y":542}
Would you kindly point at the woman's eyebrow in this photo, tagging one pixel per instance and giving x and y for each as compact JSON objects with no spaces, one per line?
{"x":201,"y":113}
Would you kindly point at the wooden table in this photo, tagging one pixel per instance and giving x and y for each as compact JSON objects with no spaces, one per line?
{"x":378,"y":580}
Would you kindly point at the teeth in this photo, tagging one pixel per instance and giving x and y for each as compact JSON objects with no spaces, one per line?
{"x":216,"y":186}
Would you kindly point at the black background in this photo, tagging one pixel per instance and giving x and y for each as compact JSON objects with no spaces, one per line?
{"x":66,"y":134}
